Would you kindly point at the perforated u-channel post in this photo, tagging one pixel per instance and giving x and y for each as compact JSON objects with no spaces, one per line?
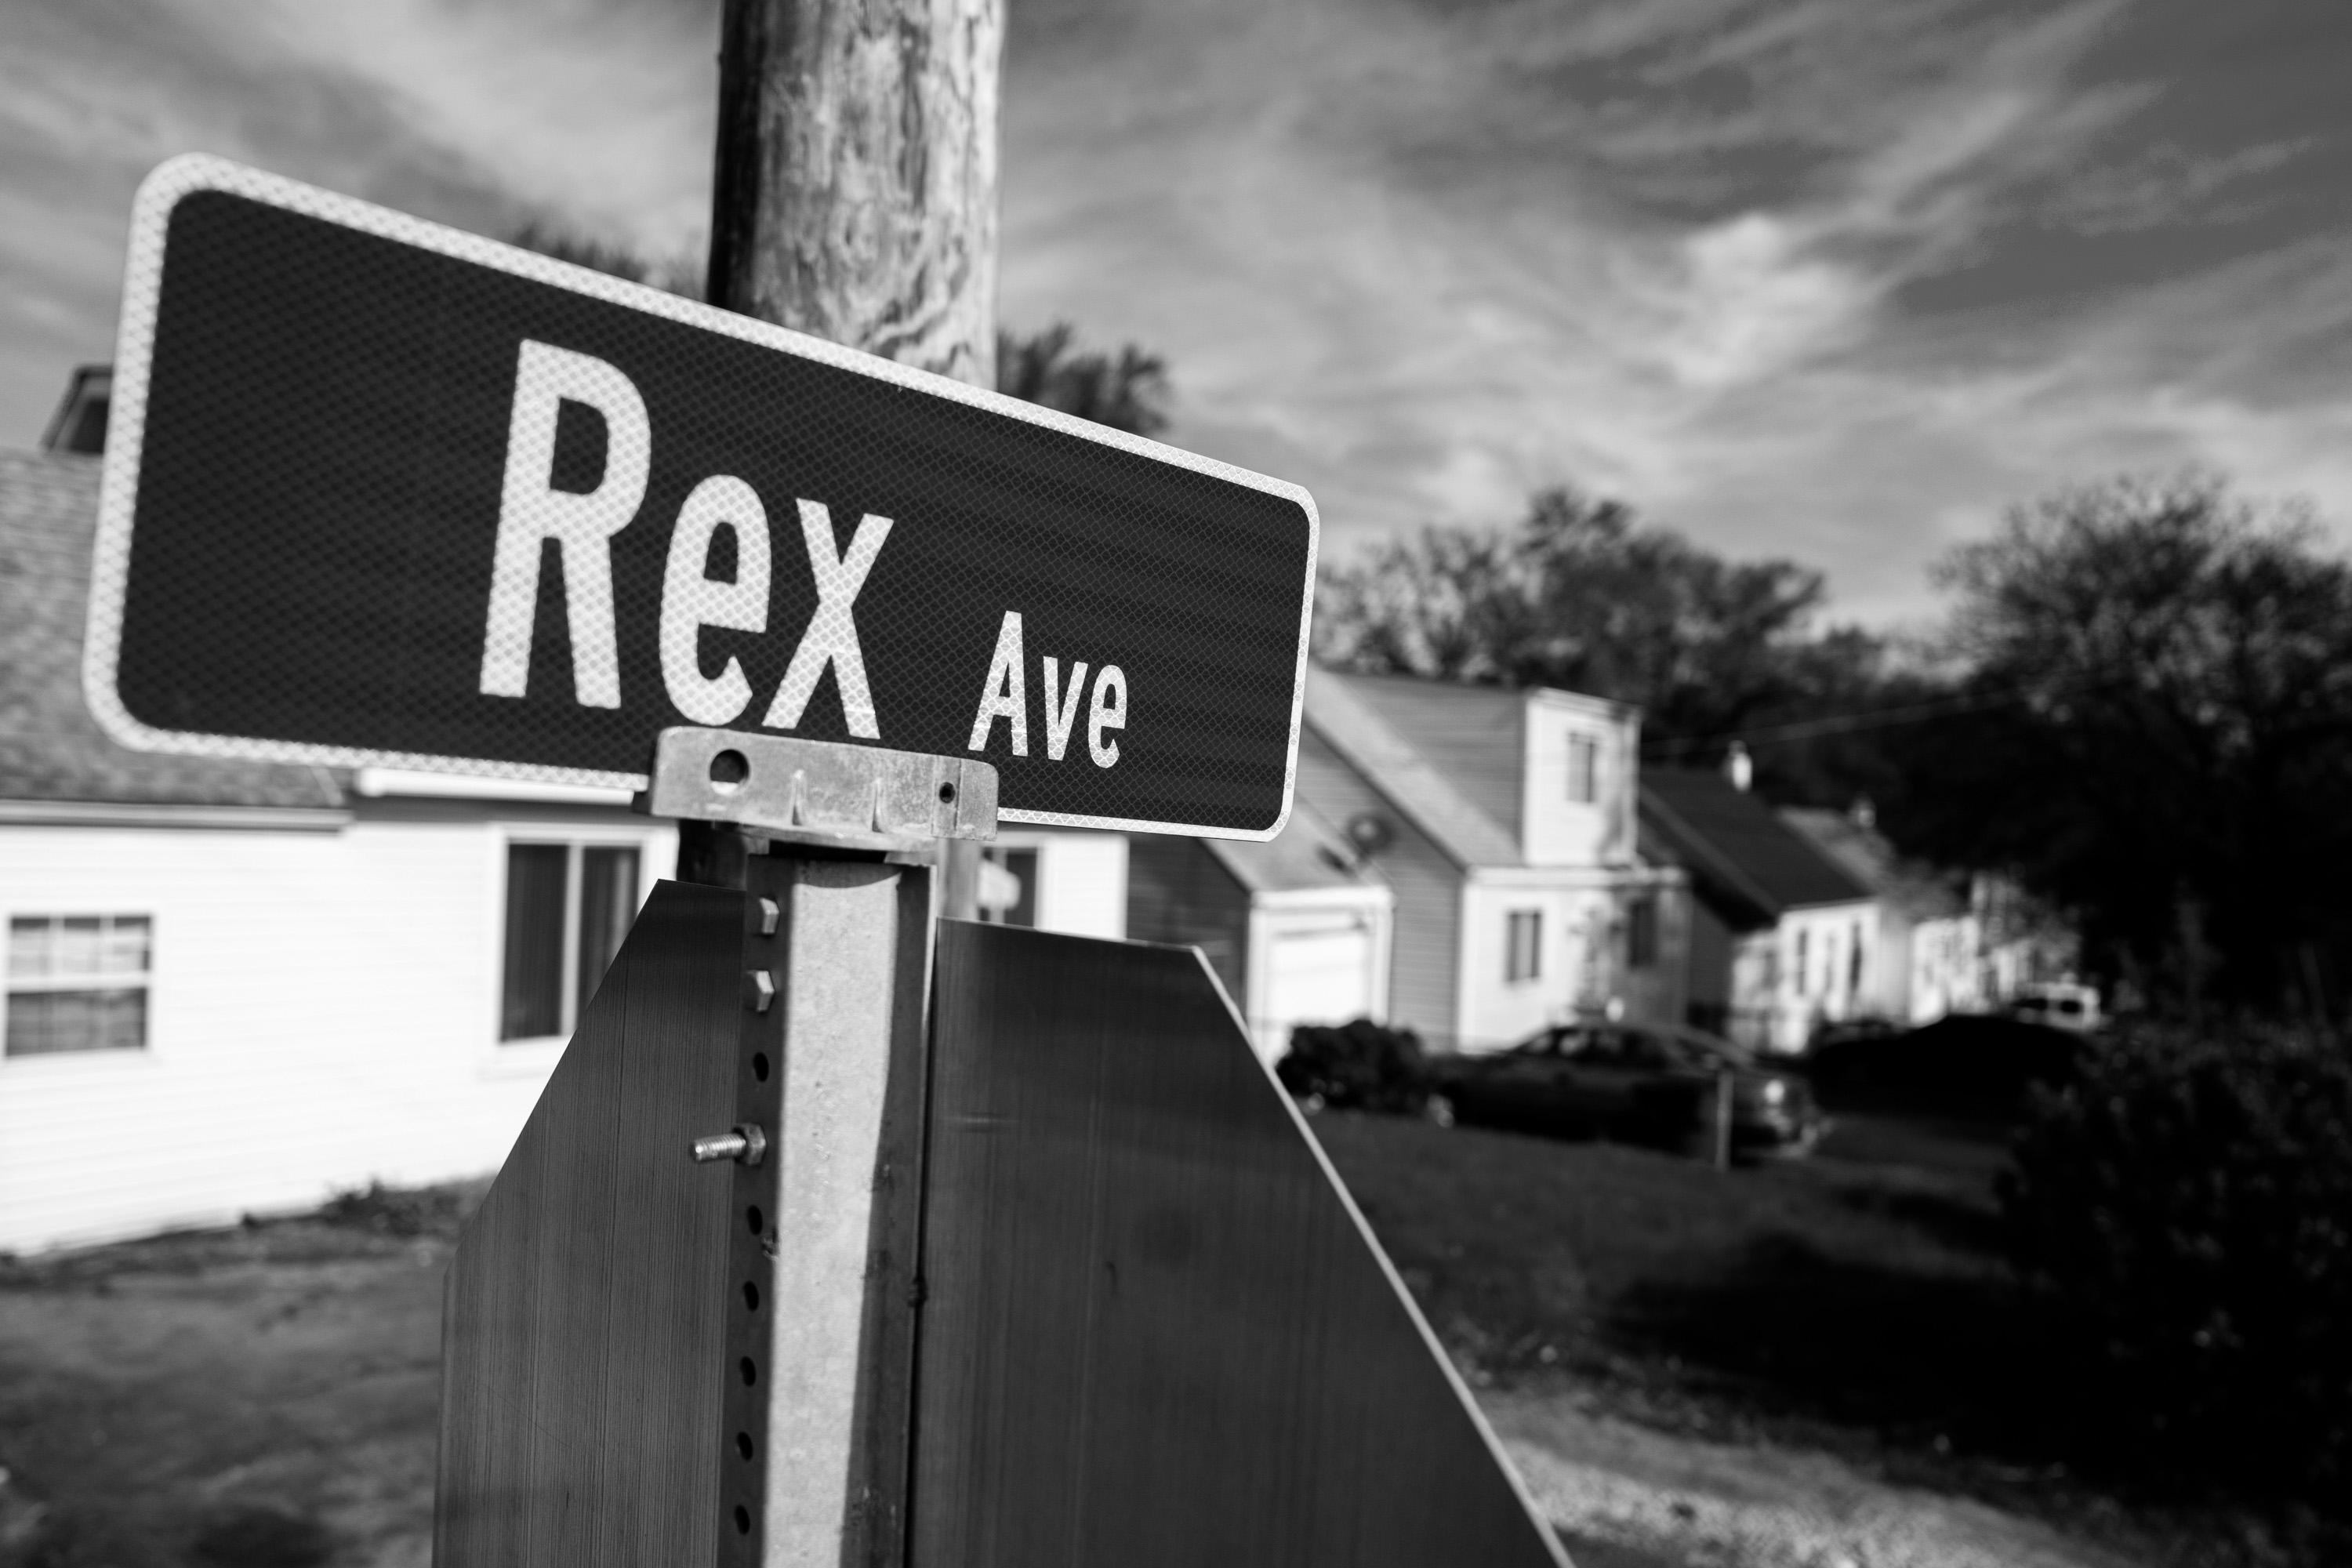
{"x":825,"y":1148}
{"x":751,"y":1305}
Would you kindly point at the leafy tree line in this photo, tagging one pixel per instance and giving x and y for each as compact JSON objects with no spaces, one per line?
{"x":2140,"y":704}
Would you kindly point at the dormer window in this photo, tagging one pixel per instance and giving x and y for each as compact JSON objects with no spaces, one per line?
{"x":1583,"y":768}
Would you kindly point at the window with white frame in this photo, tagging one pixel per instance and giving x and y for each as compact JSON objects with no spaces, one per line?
{"x":1523,"y":946}
{"x":568,"y":905}
{"x":1583,"y":768}
{"x":78,"y":983}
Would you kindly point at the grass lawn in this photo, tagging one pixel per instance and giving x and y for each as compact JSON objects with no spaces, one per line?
{"x":265,"y":1398}
{"x":1853,"y":1302}
{"x":256,"y":1398}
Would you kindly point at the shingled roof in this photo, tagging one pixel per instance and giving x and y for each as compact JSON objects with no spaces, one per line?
{"x":1441,"y":775}
{"x":1916,"y":890}
{"x":51,"y":750}
{"x":1737,"y":848}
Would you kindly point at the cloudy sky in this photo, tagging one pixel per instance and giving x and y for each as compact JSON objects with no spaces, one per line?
{"x":1827,"y":278}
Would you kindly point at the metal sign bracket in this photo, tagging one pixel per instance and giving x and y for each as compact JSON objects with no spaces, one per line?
{"x":791,"y":790}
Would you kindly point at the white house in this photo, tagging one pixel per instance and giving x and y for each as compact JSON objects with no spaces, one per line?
{"x":1951,"y":943}
{"x":235,"y":986}
{"x":1504,"y":823}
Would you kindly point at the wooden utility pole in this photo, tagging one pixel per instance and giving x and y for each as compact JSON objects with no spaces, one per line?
{"x":854,"y":198}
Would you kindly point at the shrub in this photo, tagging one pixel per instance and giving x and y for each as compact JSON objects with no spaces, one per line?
{"x":1361,"y":1066}
{"x":2187,"y":1204}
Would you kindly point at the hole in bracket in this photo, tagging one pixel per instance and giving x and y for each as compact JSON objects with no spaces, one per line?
{"x":729,"y":769}
{"x":743,"y":1520}
{"x":947,"y":793}
{"x":753,"y":1220}
{"x":750,"y":1370}
{"x":759,"y":1065}
{"x":744,"y":1445}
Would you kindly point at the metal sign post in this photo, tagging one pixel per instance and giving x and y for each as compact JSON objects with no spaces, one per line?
{"x":682,"y":1327}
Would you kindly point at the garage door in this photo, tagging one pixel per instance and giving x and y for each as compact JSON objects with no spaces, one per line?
{"x":1320,"y":974}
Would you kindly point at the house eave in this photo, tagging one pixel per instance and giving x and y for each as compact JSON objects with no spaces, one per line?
{"x":141,"y":814}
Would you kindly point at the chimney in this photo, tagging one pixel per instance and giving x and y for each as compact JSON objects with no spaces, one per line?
{"x":1736,"y":767}
{"x":79,"y":423}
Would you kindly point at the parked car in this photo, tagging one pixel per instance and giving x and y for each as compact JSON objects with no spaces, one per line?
{"x":1637,"y":1082}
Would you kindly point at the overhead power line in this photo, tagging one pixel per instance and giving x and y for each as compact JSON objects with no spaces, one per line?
{"x":1838,"y":723}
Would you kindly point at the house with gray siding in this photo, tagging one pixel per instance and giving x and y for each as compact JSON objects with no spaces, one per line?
{"x":1505,"y":825}
{"x":1783,"y":937}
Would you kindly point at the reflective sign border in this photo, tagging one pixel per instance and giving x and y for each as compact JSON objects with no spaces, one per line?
{"x":127,"y":425}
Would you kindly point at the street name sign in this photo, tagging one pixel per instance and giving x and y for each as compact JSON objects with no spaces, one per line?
{"x":379,"y":492}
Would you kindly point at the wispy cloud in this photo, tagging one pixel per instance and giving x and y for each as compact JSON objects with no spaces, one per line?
{"x":1826,"y":278}
{"x":2169,"y":183}
{"x":598,"y":109}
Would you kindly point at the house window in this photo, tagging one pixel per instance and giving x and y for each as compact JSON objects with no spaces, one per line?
{"x":78,"y":983}
{"x":1583,"y":769}
{"x":1802,"y":971}
{"x":1853,"y":961}
{"x":1008,"y":887}
{"x":568,"y":907}
{"x":1523,"y":946}
{"x":1641,"y":932}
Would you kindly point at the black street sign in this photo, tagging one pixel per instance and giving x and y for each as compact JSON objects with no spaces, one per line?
{"x":381,"y":492}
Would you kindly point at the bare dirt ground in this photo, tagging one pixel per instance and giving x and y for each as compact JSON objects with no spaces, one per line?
{"x":1624,"y":1496}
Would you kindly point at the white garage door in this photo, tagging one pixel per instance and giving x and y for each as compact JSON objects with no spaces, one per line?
{"x":1319,"y":974}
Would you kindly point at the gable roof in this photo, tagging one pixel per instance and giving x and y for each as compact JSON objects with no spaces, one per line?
{"x":50,"y":747}
{"x":1736,"y":846}
{"x":1868,"y":856}
{"x":1474,"y":735}
{"x":1422,"y":773}
{"x":1309,"y":853}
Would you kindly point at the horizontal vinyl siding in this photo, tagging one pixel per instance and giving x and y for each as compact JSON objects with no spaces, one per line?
{"x":322,"y":1013}
{"x":1423,"y":961}
{"x":1177,"y":892}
